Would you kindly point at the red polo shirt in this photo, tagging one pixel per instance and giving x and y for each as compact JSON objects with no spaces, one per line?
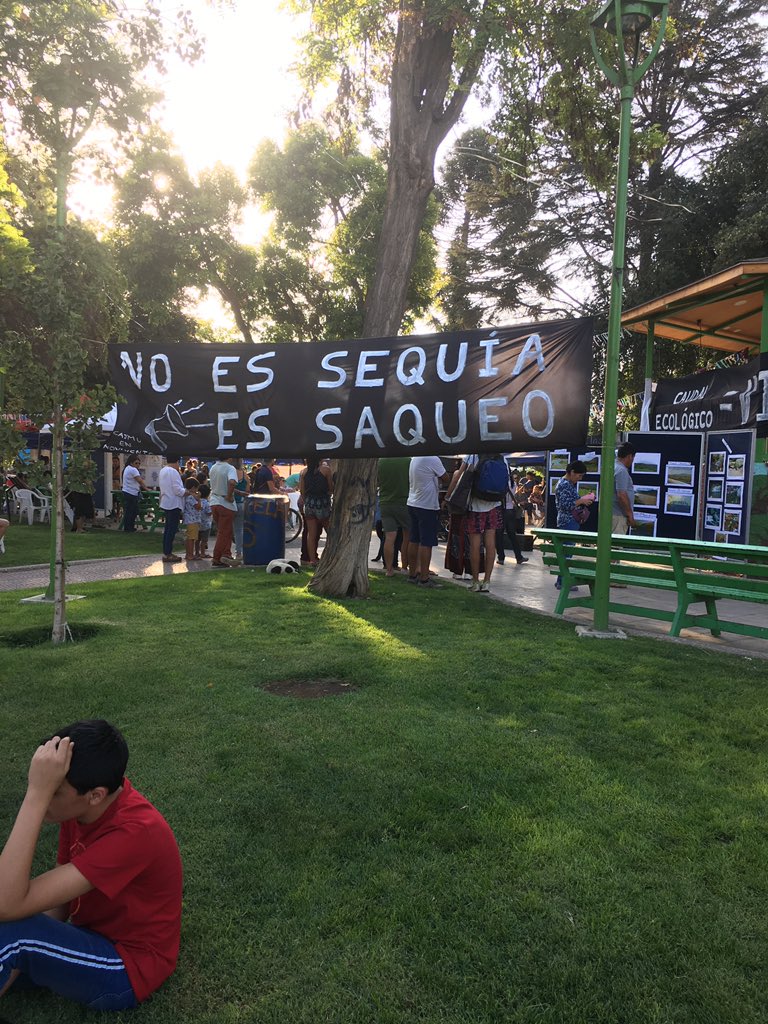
{"x":130,"y":857}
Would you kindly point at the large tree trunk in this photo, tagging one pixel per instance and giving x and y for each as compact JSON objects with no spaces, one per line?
{"x":343,"y":569}
{"x":420,"y":118}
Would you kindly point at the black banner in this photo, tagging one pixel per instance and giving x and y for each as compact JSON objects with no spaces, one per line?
{"x":724,"y":399}
{"x":493,"y":390}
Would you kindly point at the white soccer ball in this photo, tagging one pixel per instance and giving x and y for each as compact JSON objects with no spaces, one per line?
{"x":278,"y":566}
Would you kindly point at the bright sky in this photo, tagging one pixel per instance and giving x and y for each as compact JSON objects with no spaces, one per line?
{"x":240,"y":92}
{"x":220,"y":108}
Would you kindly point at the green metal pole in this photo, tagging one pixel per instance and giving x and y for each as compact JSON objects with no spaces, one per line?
{"x":605,"y":509}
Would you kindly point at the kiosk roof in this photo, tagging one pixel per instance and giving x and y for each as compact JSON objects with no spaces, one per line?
{"x":723,"y":311}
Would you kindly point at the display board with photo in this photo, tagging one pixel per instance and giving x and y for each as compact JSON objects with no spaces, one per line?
{"x":715,"y":489}
{"x":558,"y":460}
{"x":716,"y":463}
{"x":666,"y":474}
{"x":645,"y":525}
{"x":713,"y":517}
{"x":731,"y":521}
{"x":646,"y":496}
{"x":645,"y":463}
{"x":679,"y":502}
{"x":729,"y":469}
{"x":587,"y":486}
{"x":734,"y":493}
{"x":592,"y":461}
{"x":679,"y":474}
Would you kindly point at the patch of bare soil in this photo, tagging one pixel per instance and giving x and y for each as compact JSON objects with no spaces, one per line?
{"x":308,"y":689}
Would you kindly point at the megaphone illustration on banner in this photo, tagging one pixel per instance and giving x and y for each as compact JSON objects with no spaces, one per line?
{"x":172,"y":422}
{"x":169,"y":423}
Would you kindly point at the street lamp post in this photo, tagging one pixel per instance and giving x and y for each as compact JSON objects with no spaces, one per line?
{"x":626,"y":22}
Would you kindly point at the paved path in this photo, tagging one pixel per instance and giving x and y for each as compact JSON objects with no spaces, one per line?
{"x":528,"y":586}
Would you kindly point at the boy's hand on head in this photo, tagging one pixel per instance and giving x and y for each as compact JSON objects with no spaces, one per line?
{"x":50,"y":764}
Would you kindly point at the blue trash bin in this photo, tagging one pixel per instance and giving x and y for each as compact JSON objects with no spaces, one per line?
{"x":264,"y":528}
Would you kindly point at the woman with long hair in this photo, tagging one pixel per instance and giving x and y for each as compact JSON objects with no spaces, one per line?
{"x":315,"y":490}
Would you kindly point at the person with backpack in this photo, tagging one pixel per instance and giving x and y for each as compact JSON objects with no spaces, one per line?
{"x":484,"y":518}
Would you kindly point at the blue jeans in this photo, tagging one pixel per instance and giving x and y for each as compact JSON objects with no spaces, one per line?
{"x":130,"y":511}
{"x":172,"y":520}
{"x":73,"y":962}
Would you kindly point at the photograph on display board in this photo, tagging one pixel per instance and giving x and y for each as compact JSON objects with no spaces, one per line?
{"x":720,"y":538}
{"x":644,"y":525}
{"x":736,"y":465}
{"x":717,"y":463}
{"x":731,"y":521}
{"x":679,"y":474}
{"x":678,"y":503}
{"x":584,"y":487}
{"x":558,"y":461}
{"x":713,"y":517}
{"x":592,"y":461}
{"x":714,"y":490}
{"x":734,"y":493}
{"x":646,"y":462}
{"x":553,"y":482}
{"x":646,"y":496}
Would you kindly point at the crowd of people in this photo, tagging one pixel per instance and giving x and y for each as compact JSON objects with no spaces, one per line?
{"x":484,"y":504}
{"x":206,"y":499}
{"x":416,"y":495}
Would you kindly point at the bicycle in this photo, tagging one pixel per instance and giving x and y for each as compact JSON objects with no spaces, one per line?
{"x":294,"y":524}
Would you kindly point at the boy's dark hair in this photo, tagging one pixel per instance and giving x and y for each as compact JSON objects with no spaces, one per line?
{"x":99,"y":757}
{"x":191,"y":482}
{"x":576,"y":467}
{"x":625,"y":450}
{"x":205,"y":490}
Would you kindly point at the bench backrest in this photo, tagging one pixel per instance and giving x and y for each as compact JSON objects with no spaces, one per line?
{"x":661,"y":553}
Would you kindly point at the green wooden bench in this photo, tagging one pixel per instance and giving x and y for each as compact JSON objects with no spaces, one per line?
{"x":150,"y":516}
{"x":698,"y":572}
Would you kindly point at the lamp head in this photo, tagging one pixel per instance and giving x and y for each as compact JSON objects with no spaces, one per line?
{"x":636,"y":15}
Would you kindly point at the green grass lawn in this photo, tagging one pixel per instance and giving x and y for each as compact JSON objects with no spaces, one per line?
{"x":502,"y":824}
{"x":30,"y":545}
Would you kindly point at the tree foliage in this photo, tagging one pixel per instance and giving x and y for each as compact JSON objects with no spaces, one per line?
{"x":497,"y":258}
{"x":707,"y":82}
{"x":173,"y":234}
{"x":70,"y":73}
{"x":327,"y":198}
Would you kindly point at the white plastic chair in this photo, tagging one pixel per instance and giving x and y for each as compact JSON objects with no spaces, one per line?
{"x":13,"y":503}
{"x":32,"y":505}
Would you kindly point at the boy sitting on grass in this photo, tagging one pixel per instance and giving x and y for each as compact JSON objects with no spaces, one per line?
{"x":102,"y":927}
